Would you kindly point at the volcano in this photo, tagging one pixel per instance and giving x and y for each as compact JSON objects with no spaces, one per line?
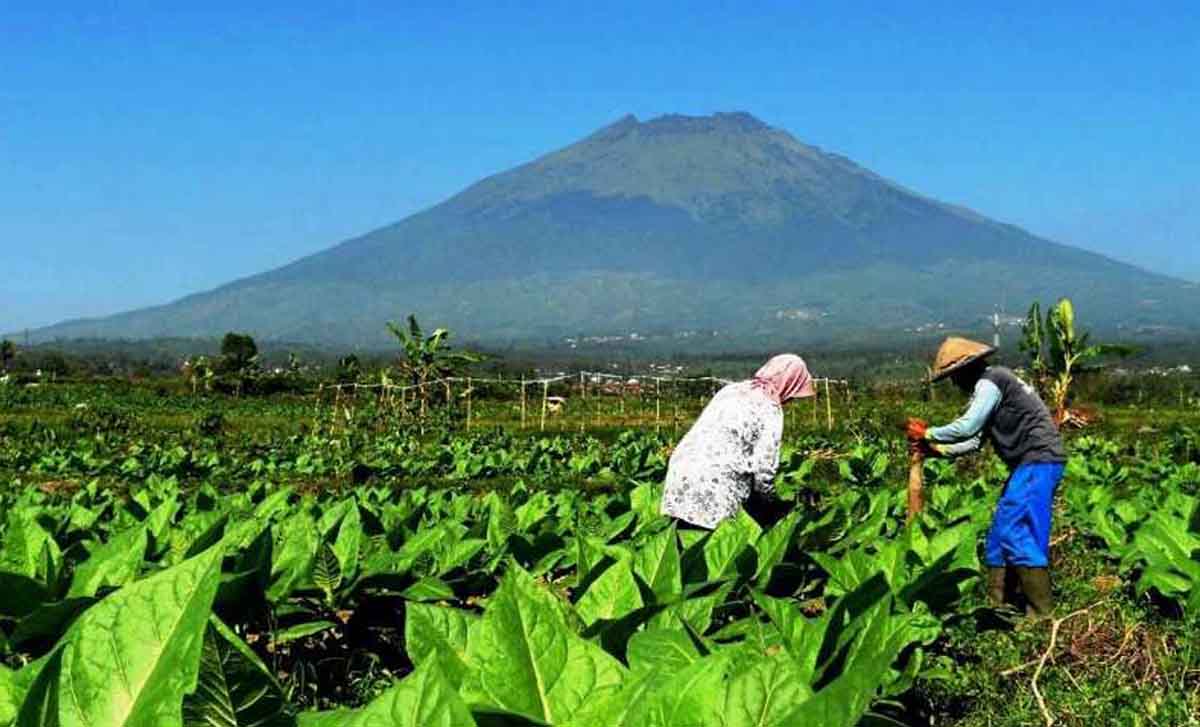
{"x":671,"y":226}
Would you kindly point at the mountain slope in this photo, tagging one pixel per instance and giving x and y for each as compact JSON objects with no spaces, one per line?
{"x":677,"y":223}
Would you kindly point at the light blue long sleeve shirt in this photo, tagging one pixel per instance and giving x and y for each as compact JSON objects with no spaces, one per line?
{"x":965,"y":434}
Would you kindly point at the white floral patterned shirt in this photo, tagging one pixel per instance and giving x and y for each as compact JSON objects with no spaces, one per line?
{"x":732,"y":448}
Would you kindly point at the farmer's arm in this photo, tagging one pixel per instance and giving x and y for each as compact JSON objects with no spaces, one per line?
{"x":958,"y":449}
{"x":970,"y":425}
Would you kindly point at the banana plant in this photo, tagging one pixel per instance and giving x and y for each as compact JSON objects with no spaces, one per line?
{"x":427,"y":358}
{"x":1033,"y":343}
{"x":199,"y":372}
{"x":1059,"y":351}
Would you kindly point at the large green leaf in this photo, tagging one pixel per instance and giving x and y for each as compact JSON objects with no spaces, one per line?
{"x":458,"y":554}
{"x":691,"y":697}
{"x":11,"y":696}
{"x":293,"y":555}
{"x":424,"y":699}
{"x":773,"y":545}
{"x":623,"y":708}
{"x":235,"y":689}
{"x":349,"y":542}
{"x":726,"y":551}
{"x":130,"y":659}
{"x":159,"y":520}
{"x":844,"y":701}
{"x":527,"y":662}
{"x":696,"y":612}
{"x":657,"y":563}
{"x":611,"y":596}
{"x":28,"y":550}
{"x":802,"y":637}
{"x":427,"y":590}
{"x":664,"y":650}
{"x":37,"y":687}
{"x":766,"y":694}
{"x":114,"y":564}
{"x":438,"y":633}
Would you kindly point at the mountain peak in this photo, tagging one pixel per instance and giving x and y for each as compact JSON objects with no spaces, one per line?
{"x":729,"y":121}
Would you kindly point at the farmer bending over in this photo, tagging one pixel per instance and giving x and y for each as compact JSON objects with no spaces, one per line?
{"x":1012,"y":416}
{"x":732,"y":450}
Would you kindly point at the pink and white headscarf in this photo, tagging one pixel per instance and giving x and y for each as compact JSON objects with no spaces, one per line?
{"x":785,"y":377}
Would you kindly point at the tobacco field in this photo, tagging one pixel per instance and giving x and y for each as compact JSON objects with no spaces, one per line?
{"x":236,"y":563}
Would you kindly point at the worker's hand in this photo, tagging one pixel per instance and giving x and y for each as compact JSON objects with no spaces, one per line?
{"x":925,"y":448}
{"x":916,"y":429}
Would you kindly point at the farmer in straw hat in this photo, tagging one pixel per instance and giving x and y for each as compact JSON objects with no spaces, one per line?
{"x":732,"y":451}
{"x":1011,"y":415}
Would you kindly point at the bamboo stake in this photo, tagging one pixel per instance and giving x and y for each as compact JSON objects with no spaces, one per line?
{"x":657,"y":407}
{"x":545,"y":402}
{"x":828,"y":407}
{"x":916,"y":483}
{"x":468,"y":402}
{"x":675,"y":411}
{"x":523,"y":402}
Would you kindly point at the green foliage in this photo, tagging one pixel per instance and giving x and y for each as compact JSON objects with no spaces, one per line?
{"x":426,"y":359}
{"x":1033,"y":341}
{"x":8,"y":352}
{"x":235,"y":689}
{"x":1058,"y":352}
{"x":131,"y":658}
{"x":494,"y":578}
{"x":238,"y":352}
{"x":349,"y":368}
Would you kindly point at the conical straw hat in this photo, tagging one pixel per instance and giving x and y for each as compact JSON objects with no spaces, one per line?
{"x":956,"y":353}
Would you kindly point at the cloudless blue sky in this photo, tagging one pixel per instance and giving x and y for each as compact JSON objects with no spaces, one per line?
{"x":149,"y":150}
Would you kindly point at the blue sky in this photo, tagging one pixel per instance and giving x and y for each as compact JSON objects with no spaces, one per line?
{"x":150,"y":151}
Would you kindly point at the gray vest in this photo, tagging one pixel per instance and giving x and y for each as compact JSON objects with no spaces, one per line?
{"x":1021,"y":429}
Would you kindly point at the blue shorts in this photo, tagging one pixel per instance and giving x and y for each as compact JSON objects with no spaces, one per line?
{"x":1020,"y":533}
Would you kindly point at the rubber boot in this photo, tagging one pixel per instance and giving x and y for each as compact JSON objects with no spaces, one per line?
{"x":996,"y":578}
{"x":1035,"y":583}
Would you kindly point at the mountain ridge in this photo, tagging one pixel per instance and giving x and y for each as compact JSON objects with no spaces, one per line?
{"x":676,"y":222}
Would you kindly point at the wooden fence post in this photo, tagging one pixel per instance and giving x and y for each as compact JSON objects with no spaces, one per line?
{"x":545,"y":402}
{"x":675,"y":411}
{"x":657,"y":406}
{"x":828,"y":407}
